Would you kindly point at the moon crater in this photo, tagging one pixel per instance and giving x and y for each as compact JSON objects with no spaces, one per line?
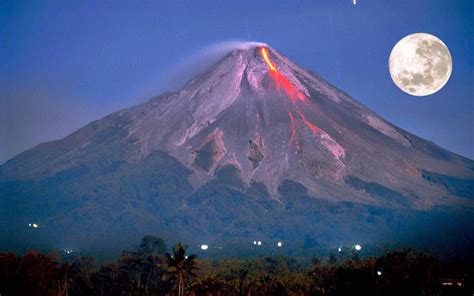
{"x":420,"y":64}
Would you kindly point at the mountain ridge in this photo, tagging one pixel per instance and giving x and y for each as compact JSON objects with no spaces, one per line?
{"x":254,"y":126}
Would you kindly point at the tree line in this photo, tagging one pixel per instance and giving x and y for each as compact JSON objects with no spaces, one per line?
{"x":152,"y":269}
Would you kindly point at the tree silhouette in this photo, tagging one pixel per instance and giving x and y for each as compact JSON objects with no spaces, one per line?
{"x":180,"y":265}
{"x":243,"y":287}
{"x":209,"y":285}
{"x":152,"y":246}
{"x":400,"y":272}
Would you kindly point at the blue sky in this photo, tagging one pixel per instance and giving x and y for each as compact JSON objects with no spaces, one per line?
{"x":65,"y":63}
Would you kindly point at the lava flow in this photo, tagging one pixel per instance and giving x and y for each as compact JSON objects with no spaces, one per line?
{"x":284,"y":84}
{"x":294,"y":136}
{"x":308,"y":123}
{"x":281,"y":81}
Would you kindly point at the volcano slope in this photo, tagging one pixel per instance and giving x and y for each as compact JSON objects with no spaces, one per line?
{"x":253,"y":147}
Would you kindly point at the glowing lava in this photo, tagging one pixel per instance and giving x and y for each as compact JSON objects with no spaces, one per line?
{"x":284,"y":84}
{"x":308,"y":123}
{"x":294,"y":136}
{"x":264,"y":53}
{"x":281,"y":81}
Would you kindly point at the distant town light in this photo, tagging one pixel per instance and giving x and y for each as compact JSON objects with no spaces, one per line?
{"x":254,"y":242}
{"x":379,"y":273}
{"x":279,"y":244}
{"x":185,"y":257}
{"x":204,"y":247}
{"x":68,"y":251}
{"x":33,"y":225}
{"x":259,"y":243}
{"x":339,"y":249}
{"x":357,"y":247}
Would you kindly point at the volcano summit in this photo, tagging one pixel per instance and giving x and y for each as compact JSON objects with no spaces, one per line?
{"x":254,"y":146}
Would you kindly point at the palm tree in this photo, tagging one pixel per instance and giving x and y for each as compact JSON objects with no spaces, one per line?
{"x":180,"y":265}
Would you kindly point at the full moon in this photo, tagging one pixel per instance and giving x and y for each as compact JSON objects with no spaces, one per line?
{"x":420,"y":64}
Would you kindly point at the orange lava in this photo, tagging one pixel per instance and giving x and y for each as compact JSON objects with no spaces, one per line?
{"x":280,"y":80}
{"x":294,"y":136}
{"x":308,"y":123}
{"x":284,"y":84}
{"x":264,"y":52}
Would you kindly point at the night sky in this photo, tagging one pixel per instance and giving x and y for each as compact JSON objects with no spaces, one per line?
{"x":65,"y":63}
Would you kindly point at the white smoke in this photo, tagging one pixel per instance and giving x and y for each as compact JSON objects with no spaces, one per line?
{"x":216,"y":51}
{"x":187,"y":68}
{"x":227,"y":46}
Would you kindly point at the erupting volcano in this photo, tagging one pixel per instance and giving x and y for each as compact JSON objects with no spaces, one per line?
{"x":289,"y":89}
{"x":281,"y":80}
{"x":254,"y":145}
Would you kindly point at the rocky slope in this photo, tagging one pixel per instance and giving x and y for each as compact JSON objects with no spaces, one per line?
{"x":251,"y":135}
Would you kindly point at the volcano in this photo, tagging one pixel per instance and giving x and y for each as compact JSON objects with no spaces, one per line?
{"x":254,"y":146}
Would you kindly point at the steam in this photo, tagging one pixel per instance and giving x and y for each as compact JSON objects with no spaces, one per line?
{"x":200,"y":60}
